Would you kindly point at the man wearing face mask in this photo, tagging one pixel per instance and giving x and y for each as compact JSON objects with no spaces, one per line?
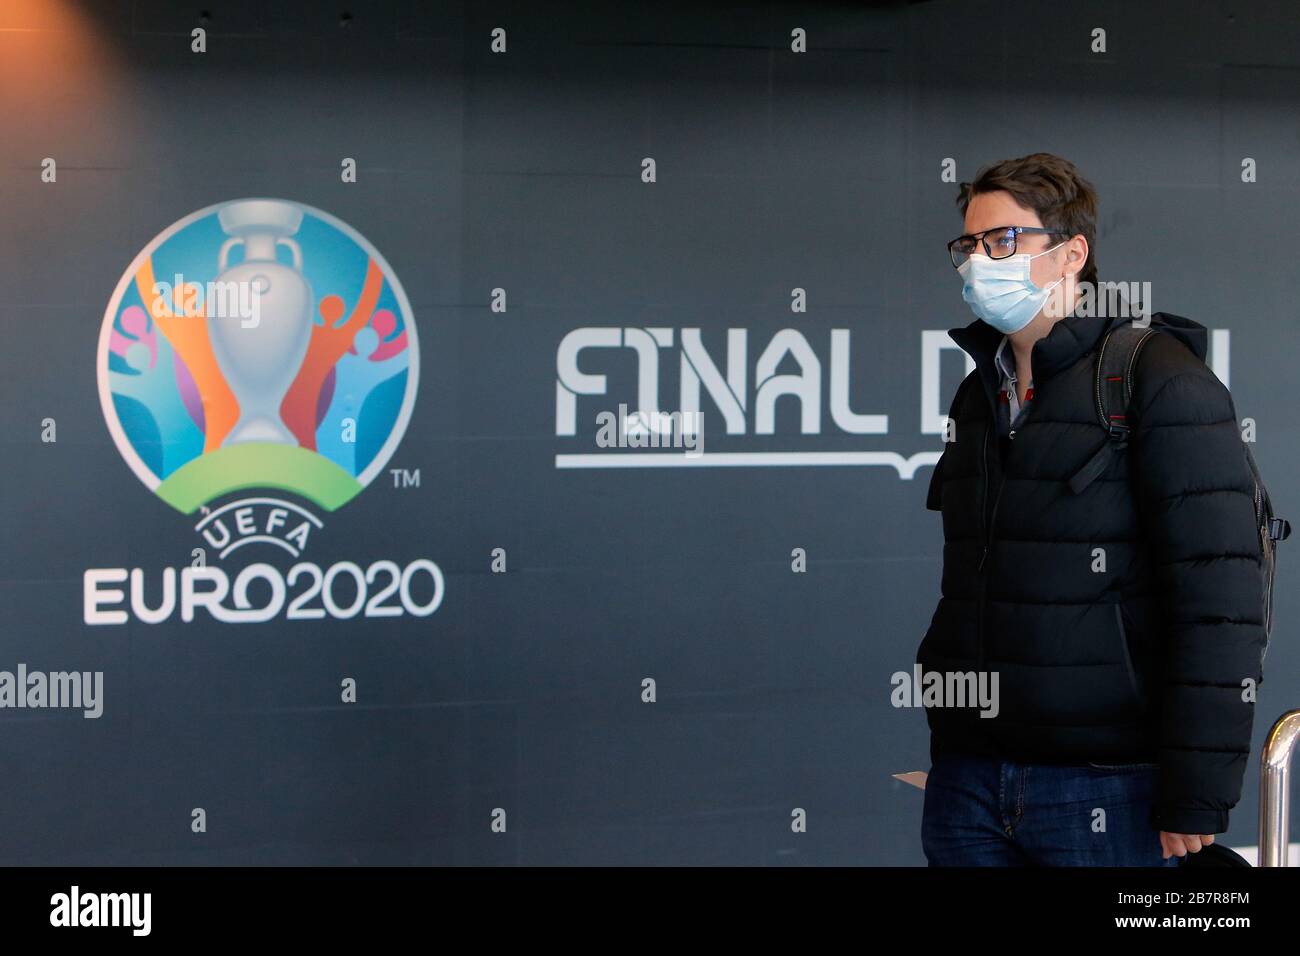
{"x":1122,"y":615}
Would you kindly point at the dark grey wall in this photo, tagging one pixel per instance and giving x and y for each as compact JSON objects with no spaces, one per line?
{"x":522,"y":171}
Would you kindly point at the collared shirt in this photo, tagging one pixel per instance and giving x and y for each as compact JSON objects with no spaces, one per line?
{"x":1010,"y":411}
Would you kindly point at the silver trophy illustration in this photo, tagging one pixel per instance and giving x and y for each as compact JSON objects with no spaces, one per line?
{"x":261,"y":359}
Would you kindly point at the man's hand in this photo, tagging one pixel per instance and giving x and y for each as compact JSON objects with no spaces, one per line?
{"x":1180,"y":844}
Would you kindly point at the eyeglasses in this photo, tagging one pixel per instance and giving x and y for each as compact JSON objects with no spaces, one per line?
{"x":998,"y":242}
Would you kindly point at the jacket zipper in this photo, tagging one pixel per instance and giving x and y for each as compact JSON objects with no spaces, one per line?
{"x":984,"y":497}
{"x":1268,"y":611}
{"x":990,"y":523}
{"x":1259,"y":519}
{"x":982,"y":598}
{"x":1265,"y":543}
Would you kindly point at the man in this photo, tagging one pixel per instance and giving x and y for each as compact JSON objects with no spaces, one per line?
{"x":1124,"y":622}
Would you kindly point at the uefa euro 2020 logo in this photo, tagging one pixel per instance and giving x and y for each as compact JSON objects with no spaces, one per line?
{"x":258,"y":344}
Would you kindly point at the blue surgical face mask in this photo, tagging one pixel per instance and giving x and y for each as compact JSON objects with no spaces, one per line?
{"x":1000,"y":291}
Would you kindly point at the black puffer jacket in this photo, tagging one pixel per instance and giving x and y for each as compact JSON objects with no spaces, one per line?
{"x":1142,"y":661}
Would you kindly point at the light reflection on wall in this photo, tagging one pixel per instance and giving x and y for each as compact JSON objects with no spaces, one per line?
{"x":60,"y":65}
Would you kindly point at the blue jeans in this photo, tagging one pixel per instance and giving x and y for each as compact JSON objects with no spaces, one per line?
{"x":980,"y":811}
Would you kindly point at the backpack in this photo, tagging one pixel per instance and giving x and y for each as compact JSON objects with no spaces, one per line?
{"x":1113,"y":387}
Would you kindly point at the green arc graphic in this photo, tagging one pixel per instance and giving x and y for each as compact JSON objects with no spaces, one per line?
{"x":257,"y":465}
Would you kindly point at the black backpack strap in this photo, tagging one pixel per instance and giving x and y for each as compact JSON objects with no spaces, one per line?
{"x":1112,"y":389}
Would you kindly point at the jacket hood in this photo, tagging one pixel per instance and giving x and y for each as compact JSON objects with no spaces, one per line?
{"x":1191,"y":333}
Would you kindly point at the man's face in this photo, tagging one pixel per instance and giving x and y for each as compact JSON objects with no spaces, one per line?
{"x":990,"y":210}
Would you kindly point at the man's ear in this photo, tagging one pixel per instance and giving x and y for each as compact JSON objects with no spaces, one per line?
{"x":1077,"y":255}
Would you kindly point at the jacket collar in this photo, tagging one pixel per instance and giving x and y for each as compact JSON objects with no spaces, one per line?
{"x":1068,"y":340}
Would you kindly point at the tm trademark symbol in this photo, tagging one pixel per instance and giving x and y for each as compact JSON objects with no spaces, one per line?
{"x":404,"y":478}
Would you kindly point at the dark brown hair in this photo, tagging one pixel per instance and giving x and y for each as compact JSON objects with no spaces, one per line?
{"x":1051,"y":186}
